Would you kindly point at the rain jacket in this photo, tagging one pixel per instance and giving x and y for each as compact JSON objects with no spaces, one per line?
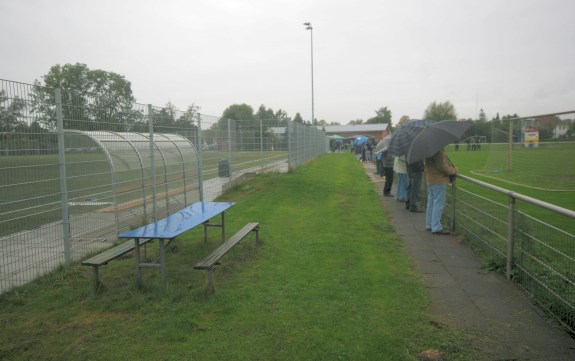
{"x":387,"y":159}
{"x":399,"y":165}
{"x":438,"y":169}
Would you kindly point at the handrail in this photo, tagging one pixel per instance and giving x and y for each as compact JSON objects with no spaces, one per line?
{"x":551,"y":207}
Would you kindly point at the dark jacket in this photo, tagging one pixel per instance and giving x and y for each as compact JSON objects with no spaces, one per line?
{"x":415,"y":167}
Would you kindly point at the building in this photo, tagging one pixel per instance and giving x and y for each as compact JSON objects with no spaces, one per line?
{"x":375,"y":130}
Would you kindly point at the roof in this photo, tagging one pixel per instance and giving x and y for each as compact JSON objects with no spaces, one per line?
{"x":356,"y":128}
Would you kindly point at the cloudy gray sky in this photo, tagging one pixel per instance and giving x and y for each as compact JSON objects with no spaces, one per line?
{"x":505,"y":56}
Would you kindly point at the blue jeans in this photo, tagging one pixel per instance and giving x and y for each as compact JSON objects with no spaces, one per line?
{"x":402,"y":182}
{"x":435,"y":204}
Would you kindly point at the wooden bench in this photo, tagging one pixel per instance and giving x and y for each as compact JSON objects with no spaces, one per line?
{"x":107,"y":256}
{"x":208,"y":263}
{"x":199,"y":213}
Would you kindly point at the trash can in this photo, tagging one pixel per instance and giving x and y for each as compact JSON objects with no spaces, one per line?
{"x":224,"y":168}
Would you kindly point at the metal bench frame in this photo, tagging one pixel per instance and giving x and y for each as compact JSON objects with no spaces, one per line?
{"x":167,"y":228}
{"x":207,"y":264}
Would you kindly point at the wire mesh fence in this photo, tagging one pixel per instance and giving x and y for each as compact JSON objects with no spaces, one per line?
{"x":538,"y":252}
{"x":77,"y":170}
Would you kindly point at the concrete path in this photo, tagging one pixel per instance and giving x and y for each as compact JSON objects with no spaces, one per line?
{"x":496,"y":316}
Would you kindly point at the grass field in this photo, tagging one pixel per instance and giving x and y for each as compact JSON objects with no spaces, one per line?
{"x":30,"y":185}
{"x":553,"y":183}
{"x":545,"y":173}
{"x":330,"y":282}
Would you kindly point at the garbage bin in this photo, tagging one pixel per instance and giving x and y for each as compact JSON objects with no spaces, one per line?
{"x":224,"y":168}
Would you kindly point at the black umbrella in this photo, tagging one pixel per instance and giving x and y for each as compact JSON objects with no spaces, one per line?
{"x":401,"y":139}
{"x":433,"y":138}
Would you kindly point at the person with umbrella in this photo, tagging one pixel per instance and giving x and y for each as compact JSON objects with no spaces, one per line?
{"x":437,"y":172}
{"x":400,"y":168}
{"x":428,"y":144}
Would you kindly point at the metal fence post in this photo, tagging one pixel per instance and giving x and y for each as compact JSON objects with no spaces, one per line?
{"x":453,"y":199}
{"x":230,"y":149}
{"x":510,"y":236}
{"x":152,"y":161}
{"x":63,"y":179}
{"x":200,"y":156}
{"x":262,"y":145}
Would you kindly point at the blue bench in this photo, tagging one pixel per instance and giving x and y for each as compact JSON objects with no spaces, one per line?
{"x":168,"y":228}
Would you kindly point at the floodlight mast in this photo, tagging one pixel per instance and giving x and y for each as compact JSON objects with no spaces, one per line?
{"x":310,"y":28}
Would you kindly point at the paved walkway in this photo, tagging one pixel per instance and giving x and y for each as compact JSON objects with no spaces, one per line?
{"x":495,"y":314}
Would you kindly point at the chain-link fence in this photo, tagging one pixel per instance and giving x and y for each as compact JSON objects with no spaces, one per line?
{"x":76,"y":170}
{"x":538,"y":251}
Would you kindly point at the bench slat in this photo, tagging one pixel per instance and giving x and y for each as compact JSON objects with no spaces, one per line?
{"x":210,"y":260}
{"x":179,"y":222}
{"x":112,"y":253}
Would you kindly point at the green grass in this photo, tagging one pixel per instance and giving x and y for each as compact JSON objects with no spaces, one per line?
{"x":551,"y":166}
{"x":330,"y":282}
{"x":30,"y":185}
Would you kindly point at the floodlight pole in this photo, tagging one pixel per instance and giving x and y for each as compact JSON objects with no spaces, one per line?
{"x":310,"y":28}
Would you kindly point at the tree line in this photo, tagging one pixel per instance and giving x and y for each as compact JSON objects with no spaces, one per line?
{"x":101,"y":100}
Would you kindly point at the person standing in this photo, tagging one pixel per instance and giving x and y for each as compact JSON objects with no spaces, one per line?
{"x":379,"y":163}
{"x":437,"y":172}
{"x":415,"y":175}
{"x":400,"y":168}
{"x":387,"y":172}
{"x":363,"y":157}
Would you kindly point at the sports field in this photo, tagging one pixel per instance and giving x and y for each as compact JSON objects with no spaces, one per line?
{"x":546,"y":173}
{"x":30,"y":184}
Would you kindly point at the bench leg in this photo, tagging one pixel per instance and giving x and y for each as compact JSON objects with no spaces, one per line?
{"x":163,"y":263}
{"x":210,"y":287}
{"x":137,"y":258}
{"x":223,"y":227}
{"x":96,"y":278}
{"x":257,"y":230}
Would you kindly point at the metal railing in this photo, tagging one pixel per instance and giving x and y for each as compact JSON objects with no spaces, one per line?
{"x":75,"y":170}
{"x":539,"y":255}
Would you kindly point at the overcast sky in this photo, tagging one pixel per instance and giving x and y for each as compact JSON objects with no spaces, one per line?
{"x":503,"y":56}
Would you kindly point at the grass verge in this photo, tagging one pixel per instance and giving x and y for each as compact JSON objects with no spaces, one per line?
{"x":330,"y":282}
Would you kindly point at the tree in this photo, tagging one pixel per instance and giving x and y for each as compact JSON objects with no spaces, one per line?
{"x":244,"y":125}
{"x":239,"y":112}
{"x":571,"y":131}
{"x":91,"y":99}
{"x":165,"y":117}
{"x":383,"y":115}
{"x":264,"y":114}
{"x":298,"y":118}
{"x":404,"y":119}
{"x":187,"y":120}
{"x":440,"y":111}
{"x":482,"y":116}
{"x":271,"y":118}
{"x":10,"y":112}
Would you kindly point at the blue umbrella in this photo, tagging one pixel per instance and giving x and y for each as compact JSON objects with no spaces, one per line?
{"x":360,"y":140}
{"x":401,"y":139}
